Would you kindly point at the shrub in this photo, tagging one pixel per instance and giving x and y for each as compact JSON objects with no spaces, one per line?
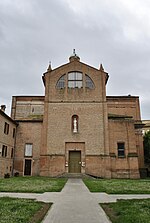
{"x":16,"y":174}
{"x":6,"y":175}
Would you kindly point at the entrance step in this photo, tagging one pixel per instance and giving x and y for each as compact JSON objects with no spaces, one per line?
{"x":75,"y":175}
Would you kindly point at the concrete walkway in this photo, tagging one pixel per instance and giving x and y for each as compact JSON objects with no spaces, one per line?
{"x":75,"y":204}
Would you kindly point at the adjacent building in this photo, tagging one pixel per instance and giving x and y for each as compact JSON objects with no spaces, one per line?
{"x":7,"y":143}
{"x":146,"y":126}
{"x":76,"y":128}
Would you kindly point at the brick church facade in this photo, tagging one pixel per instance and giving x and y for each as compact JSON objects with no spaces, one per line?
{"x":76,"y":128}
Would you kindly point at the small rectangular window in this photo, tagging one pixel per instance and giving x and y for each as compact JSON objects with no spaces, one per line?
{"x":14,"y":132}
{"x":4,"y":151}
{"x":6,"y":128}
{"x":12,"y":152}
{"x":121,"y":149}
{"x":28,"y":149}
{"x":0,"y":150}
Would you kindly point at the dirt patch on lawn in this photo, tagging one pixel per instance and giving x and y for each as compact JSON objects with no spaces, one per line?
{"x":109,"y":212}
{"x":39,"y":215}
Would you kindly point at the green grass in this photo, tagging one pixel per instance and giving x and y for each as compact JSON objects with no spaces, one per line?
{"x":119,"y":186}
{"x":31,"y":184}
{"x":128,"y":211}
{"x":21,"y":210}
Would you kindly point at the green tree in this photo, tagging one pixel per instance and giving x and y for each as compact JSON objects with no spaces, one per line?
{"x":147,"y":147}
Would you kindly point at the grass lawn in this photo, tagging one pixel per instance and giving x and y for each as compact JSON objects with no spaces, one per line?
{"x":128,"y":211}
{"x":119,"y":186}
{"x":22,"y":210}
{"x":31,"y":184}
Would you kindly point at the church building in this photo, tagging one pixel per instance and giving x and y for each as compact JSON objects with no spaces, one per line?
{"x":76,"y":128}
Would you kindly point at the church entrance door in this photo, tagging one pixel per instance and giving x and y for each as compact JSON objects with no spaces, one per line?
{"x":74,"y":161}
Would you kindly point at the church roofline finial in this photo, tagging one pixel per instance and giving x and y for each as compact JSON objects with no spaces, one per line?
{"x":49,"y":66}
{"x":74,"y":52}
{"x":101,"y":67}
{"x":74,"y":56}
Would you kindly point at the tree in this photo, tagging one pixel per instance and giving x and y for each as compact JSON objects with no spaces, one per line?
{"x":146,"y":143}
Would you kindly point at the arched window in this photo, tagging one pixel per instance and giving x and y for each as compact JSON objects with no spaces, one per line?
{"x":75,"y":79}
{"x":61,"y":82}
{"x":88,"y":82}
{"x":75,"y":123}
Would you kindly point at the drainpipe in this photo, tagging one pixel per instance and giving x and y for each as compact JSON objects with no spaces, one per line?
{"x":14,"y":151}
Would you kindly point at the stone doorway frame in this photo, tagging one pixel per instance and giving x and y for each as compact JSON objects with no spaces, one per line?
{"x":75,"y":146}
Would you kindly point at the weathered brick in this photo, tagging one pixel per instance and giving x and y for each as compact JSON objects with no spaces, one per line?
{"x":46,"y":122}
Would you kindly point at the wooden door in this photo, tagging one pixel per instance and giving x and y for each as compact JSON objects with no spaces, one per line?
{"x":74,"y":161}
{"x":27,"y":167}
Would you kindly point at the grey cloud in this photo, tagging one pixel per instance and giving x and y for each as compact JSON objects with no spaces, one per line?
{"x":34,"y":32}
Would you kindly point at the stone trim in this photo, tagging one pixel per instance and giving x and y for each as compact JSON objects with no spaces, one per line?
{"x":132,"y":155}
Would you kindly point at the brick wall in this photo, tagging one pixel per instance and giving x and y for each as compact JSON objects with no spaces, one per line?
{"x":61,"y":104}
{"x":28,"y":132}
{"x":123,"y":131}
{"x":124,"y":105}
{"x":49,"y":126}
{"x":6,"y":163}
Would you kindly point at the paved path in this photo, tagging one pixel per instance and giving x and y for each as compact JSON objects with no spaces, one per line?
{"x":75,"y":204}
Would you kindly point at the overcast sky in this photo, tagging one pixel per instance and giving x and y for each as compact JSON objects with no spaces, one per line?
{"x":115,"y":33}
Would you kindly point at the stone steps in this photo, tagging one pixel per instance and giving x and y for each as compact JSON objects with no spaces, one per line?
{"x":75,"y":175}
